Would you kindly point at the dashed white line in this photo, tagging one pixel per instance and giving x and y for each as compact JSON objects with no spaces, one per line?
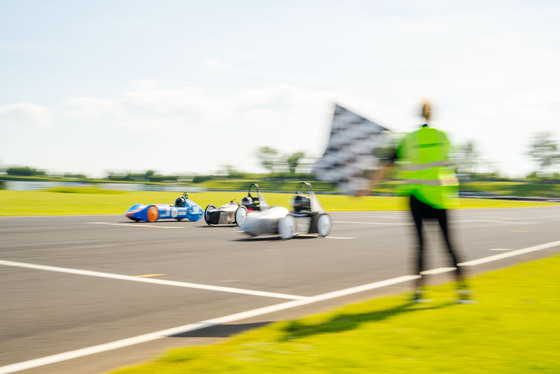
{"x":156,"y":226}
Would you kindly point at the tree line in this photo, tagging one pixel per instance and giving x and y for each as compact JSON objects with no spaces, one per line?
{"x":544,"y":150}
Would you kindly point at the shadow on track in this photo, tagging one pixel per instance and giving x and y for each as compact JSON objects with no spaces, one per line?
{"x":221,"y":331}
{"x":343,"y":322}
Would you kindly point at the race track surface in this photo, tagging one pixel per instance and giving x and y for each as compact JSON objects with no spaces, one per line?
{"x":75,"y":282}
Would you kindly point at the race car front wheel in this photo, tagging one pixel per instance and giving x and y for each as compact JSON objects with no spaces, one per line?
{"x":324,"y":225}
{"x":240,"y":215}
{"x":287,"y":227}
{"x":207,"y":213}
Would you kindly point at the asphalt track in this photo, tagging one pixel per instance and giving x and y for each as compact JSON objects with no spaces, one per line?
{"x":87,"y":294}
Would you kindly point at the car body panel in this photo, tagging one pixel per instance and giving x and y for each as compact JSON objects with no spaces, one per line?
{"x":264,"y":222}
{"x":155,"y":212}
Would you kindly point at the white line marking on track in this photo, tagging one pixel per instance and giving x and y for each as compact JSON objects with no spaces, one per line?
{"x":495,"y":221}
{"x":437,"y":271}
{"x":374,"y":223}
{"x":151,"y":280}
{"x":156,"y":226}
{"x":399,"y":217}
{"x":499,"y":249}
{"x":195,"y":326}
{"x":248,"y":314}
{"x":340,"y":237}
{"x":517,"y":252}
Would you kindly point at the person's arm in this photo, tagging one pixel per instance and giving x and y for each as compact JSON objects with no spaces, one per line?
{"x":376,"y":177}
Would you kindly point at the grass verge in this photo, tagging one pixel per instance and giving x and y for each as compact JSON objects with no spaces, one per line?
{"x":513,"y":329}
{"x":45,"y":203}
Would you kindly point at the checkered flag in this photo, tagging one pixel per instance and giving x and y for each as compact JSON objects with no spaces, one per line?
{"x":350,"y":150}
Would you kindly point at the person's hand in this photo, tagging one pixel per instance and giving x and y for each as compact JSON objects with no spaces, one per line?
{"x":361,"y":193}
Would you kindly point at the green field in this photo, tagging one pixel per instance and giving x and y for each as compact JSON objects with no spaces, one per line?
{"x":513,"y":329}
{"x":94,"y":201}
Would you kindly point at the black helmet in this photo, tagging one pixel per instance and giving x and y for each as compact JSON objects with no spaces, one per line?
{"x":247,"y":201}
{"x":180,"y":201}
{"x":301,"y":202}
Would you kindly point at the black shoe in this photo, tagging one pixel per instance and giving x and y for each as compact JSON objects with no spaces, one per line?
{"x":418,"y":297}
{"x":466,"y":297}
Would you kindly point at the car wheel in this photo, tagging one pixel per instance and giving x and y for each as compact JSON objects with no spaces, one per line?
{"x":153,"y":213}
{"x":324,"y":225}
{"x":207,"y":213}
{"x":179,"y":219}
{"x":287,"y":227}
{"x":240,"y":215}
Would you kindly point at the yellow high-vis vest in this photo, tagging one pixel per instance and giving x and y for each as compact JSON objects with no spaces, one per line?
{"x":424,"y":168}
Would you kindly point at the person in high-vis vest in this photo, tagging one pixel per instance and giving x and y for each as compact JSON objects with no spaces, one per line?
{"x":429,"y":182}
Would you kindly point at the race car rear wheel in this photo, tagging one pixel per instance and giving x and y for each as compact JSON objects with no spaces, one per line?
{"x":240,"y":215}
{"x":324,"y":225}
{"x":153,"y":213}
{"x":287,"y":227}
{"x":207,"y":213}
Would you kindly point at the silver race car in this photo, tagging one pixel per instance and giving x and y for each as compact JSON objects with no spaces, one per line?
{"x":234,"y":213}
{"x":222,"y":215}
{"x":307,"y":217}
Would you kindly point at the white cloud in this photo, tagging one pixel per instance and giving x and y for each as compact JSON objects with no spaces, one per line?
{"x":25,"y":116}
{"x":89,"y":107}
{"x":226,"y":129}
{"x":162,"y":101}
{"x":145,"y":84}
{"x":216,"y":64}
{"x":278,"y":107}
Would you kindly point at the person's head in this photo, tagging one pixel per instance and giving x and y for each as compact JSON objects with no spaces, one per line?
{"x":301,"y":203}
{"x":247,"y":202}
{"x":426,"y":112}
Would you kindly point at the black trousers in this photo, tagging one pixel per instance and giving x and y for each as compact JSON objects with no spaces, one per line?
{"x":420,"y":213}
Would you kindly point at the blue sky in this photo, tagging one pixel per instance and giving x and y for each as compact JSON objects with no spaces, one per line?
{"x":190,"y":86}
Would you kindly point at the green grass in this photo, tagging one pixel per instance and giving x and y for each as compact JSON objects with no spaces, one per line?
{"x":513,"y":329}
{"x":84,"y":190}
{"x":514,"y":188}
{"x":93,"y":201}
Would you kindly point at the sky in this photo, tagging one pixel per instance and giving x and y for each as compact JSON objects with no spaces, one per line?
{"x":188,"y":87}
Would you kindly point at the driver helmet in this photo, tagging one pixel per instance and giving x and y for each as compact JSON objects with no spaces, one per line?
{"x":301,"y":202}
{"x":247,"y":202}
{"x":180,"y":201}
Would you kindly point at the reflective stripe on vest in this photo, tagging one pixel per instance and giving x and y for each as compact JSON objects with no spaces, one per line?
{"x":420,"y":167}
{"x":433,"y":182}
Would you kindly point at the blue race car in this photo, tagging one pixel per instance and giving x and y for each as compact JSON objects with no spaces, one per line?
{"x":183,"y":208}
